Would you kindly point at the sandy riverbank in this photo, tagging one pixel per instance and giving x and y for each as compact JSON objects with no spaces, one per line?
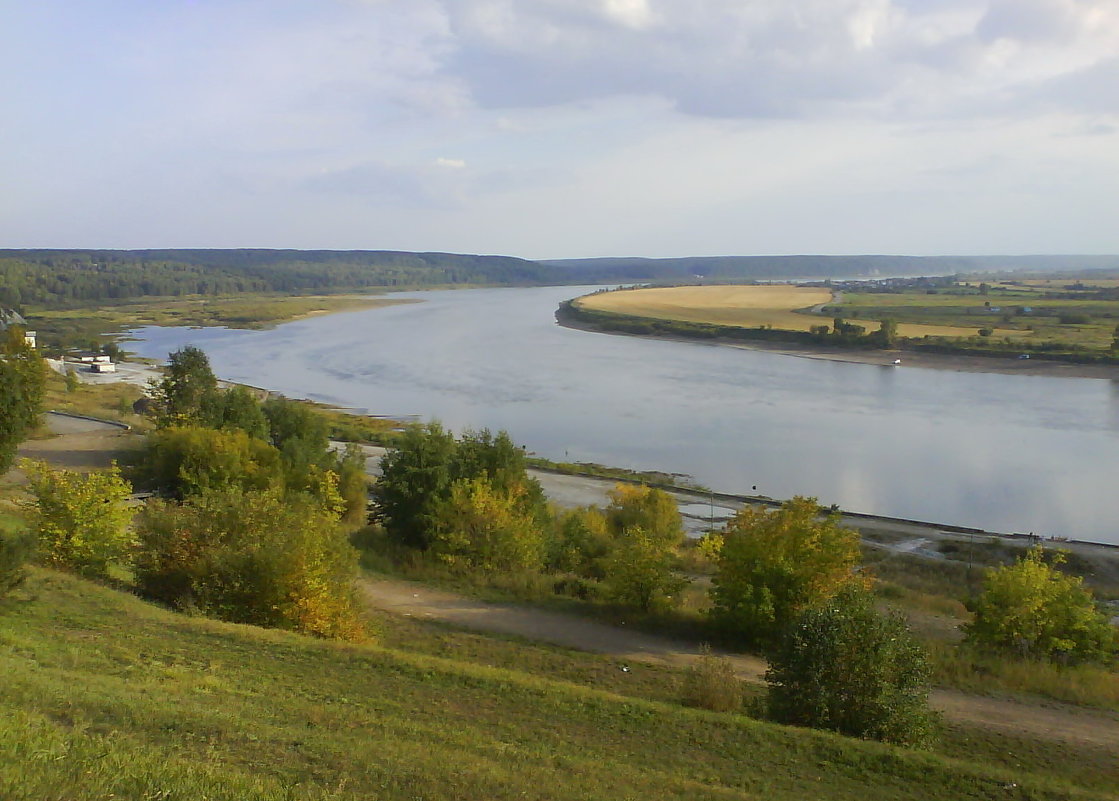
{"x":885,"y":358}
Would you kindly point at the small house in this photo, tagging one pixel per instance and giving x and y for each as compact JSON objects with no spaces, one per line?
{"x":103,"y":367}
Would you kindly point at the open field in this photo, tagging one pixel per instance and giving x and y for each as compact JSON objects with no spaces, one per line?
{"x":106,"y":695}
{"x":1027,"y":312}
{"x":779,"y":306}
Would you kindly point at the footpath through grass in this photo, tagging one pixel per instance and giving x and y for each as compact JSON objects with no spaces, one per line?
{"x":106,"y":695}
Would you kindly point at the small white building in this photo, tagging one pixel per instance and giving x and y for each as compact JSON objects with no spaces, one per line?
{"x":9,"y":318}
{"x":103,"y":366}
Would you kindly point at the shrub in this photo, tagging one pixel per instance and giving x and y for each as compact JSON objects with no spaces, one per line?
{"x":772,"y":564}
{"x":251,"y":557}
{"x":15,"y":552}
{"x":80,"y":520}
{"x":1032,"y":608}
{"x":847,"y":668}
{"x":711,"y":684}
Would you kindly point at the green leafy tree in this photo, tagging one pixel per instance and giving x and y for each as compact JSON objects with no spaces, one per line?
{"x":579,"y":541}
{"x":189,"y":460}
{"x":887,"y":334}
{"x":258,"y":557}
{"x":415,"y":477}
{"x":483,"y":527}
{"x":237,"y":408}
{"x":297,"y":431}
{"x":22,"y":380}
{"x":188,"y":391}
{"x":1034,"y":609}
{"x":640,"y":571}
{"x":845,"y":667}
{"x":80,"y":520}
{"x":774,"y":563}
{"x":353,"y":486}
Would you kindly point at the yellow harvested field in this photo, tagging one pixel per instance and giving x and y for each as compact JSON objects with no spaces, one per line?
{"x":781,"y":306}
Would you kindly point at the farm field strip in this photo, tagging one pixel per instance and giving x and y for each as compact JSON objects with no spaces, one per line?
{"x":749,"y":307}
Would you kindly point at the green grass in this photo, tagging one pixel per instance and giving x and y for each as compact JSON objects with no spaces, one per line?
{"x":105,"y":695}
{"x":968,"y":311}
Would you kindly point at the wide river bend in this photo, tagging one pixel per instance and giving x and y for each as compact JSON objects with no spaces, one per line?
{"x":1000,"y":452}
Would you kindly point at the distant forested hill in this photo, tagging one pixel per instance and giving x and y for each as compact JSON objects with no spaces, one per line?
{"x":73,"y":277}
{"x":70,"y":278}
{"x":748,"y":267}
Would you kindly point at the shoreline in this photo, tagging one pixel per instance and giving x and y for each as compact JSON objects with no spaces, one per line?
{"x":885,"y":358}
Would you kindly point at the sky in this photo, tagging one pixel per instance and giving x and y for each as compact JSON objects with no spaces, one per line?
{"x":562,"y":128}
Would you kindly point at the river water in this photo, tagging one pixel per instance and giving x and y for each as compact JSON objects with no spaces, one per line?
{"x":1000,"y":452}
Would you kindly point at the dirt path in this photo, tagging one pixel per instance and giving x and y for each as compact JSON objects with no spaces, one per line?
{"x":77,"y":444}
{"x":1053,"y":722}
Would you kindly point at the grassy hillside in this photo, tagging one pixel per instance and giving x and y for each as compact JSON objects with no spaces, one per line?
{"x":107,"y":696}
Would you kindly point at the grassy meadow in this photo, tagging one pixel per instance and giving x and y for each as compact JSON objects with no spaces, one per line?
{"x":108,"y":696}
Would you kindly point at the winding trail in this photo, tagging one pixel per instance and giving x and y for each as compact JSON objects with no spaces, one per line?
{"x":1051,"y":722}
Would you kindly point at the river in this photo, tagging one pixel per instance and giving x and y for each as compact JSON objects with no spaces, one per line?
{"x":1000,"y":452}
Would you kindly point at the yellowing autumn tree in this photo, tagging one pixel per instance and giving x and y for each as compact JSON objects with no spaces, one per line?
{"x":1033,"y":608}
{"x":80,"y":519}
{"x":774,"y":563}
{"x":256,"y":557}
{"x":483,"y":527}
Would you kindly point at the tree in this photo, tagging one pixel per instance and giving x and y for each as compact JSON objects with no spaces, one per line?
{"x":189,"y":460}
{"x":297,"y":431}
{"x":187,"y":394}
{"x":80,"y":519}
{"x":256,"y":557}
{"x":238,"y":408}
{"x":1032,"y":608}
{"x":415,"y":477}
{"x":22,"y":380}
{"x":887,"y":334}
{"x":483,"y":527}
{"x":639,"y":571}
{"x":632,"y":506}
{"x":773,"y":564}
{"x":579,"y":542}
{"x":845,"y":667}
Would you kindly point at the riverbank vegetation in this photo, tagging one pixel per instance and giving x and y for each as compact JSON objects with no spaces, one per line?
{"x":1049,"y":318}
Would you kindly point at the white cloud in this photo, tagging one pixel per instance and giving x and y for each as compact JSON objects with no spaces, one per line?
{"x":452,"y":164}
{"x":773,"y":58}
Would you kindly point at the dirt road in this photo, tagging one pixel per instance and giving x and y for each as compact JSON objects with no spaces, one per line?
{"x":77,"y":444}
{"x":1051,"y":722}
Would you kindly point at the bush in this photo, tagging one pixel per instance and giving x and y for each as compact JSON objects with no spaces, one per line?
{"x":80,"y":520}
{"x":15,"y":552}
{"x":772,"y":564}
{"x":251,"y":557}
{"x":847,"y":668}
{"x":711,"y":684}
{"x":1033,"y":609}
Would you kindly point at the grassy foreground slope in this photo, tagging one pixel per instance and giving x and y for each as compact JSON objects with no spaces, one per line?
{"x":104,"y":695}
